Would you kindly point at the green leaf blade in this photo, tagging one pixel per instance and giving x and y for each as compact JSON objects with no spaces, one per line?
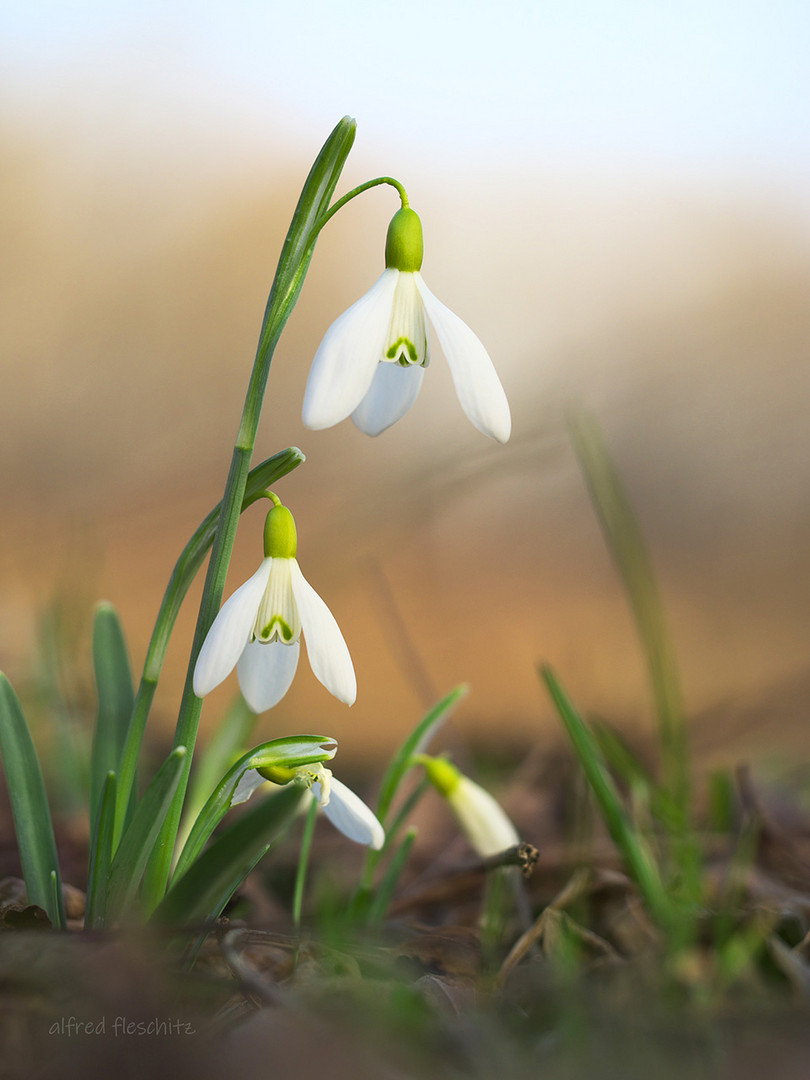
{"x":29,"y":806}
{"x":137,"y":842}
{"x":116,"y":697}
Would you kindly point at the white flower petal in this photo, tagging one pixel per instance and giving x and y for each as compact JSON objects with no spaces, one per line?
{"x":248,"y":782}
{"x":230,"y":632}
{"x":483,"y":819}
{"x":326,"y":649}
{"x":265,"y":671}
{"x":347,"y":358}
{"x":393,"y":390}
{"x":477,"y":384}
{"x":350,"y":815}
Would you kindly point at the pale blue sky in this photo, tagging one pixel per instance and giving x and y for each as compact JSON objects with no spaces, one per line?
{"x":705,"y":82}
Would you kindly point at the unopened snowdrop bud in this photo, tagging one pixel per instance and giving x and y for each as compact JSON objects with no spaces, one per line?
{"x":404,"y":246}
{"x":483,"y":820}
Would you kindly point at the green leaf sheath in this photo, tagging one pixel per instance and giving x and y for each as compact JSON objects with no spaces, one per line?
{"x":133,"y":852}
{"x":295,"y":256}
{"x":29,"y":805}
{"x":115,"y":700}
{"x":191,"y":559}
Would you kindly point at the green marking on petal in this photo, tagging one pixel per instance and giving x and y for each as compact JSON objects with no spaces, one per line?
{"x":395,"y":352}
{"x":280,"y":627}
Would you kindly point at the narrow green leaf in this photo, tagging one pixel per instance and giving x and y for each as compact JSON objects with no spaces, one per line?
{"x":294,"y":750}
{"x":416,"y":743}
{"x":629,"y":551}
{"x":115,"y":699}
{"x":29,"y":805}
{"x":393,"y":871}
{"x":136,"y":844}
{"x":185,"y":570}
{"x":638,"y":858}
{"x":203,"y":891}
{"x":101,"y":856}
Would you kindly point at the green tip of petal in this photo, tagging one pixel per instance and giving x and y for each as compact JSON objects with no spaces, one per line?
{"x":280,"y":537}
{"x":404,"y":247}
{"x":442,"y":774}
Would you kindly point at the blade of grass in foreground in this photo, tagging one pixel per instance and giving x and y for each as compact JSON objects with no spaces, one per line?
{"x":29,"y":805}
{"x":626,"y":544}
{"x":637,"y":856}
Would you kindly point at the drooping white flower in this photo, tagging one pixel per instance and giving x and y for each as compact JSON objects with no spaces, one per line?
{"x":483,"y":820}
{"x":258,"y":630}
{"x":372,"y":360}
{"x":347,"y":811}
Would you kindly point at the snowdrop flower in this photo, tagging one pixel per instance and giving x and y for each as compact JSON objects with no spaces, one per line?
{"x":483,"y":820}
{"x":372,"y":360}
{"x":347,"y":811}
{"x":258,"y":630}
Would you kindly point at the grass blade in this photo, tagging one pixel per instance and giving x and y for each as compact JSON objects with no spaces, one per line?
{"x":136,"y":844}
{"x":416,"y":743}
{"x":115,"y":700}
{"x":626,"y":544}
{"x":101,"y":856}
{"x":29,"y":805}
{"x":385,"y":892}
{"x":205,"y":888}
{"x":638,"y":858}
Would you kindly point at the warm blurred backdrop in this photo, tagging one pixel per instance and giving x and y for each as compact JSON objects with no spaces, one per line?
{"x":646,"y":257}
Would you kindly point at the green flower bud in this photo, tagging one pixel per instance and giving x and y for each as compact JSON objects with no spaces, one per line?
{"x":403,"y":245}
{"x":280,"y":537}
{"x":444,"y":776}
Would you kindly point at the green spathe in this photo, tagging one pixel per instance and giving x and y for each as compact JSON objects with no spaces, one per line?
{"x":404,"y":247}
{"x":444,"y":776}
{"x":280,"y":537}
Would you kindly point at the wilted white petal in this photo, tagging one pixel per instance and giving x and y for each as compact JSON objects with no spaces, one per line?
{"x":393,"y":390}
{"x":347,"y":358}
{"x":265,"y":672}
{"x":229,"y":633}
{"x":350,"y":815}
{"x":248,"y":782}
{"x":477,"y":384}
{"x":483,"y":819}
{"x":326,"y":649}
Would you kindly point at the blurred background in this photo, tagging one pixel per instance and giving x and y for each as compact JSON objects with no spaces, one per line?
{"x":615,"y":196}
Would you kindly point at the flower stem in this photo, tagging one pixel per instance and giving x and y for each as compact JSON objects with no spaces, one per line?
{"x":303,"y":862}
{"x":341,"y":202}
{"x":289,"y":278}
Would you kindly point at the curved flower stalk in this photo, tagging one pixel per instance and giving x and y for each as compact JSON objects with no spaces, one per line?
{"x":346,"y":811}
{"x":483,"y":819}
{"x":258,"y":630}
{"x":372,"y":360}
